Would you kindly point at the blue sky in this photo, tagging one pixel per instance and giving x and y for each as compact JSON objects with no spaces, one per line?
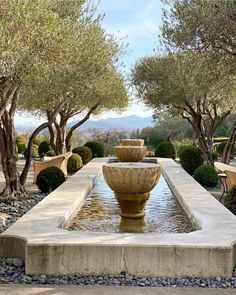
{"x":137,"y":22}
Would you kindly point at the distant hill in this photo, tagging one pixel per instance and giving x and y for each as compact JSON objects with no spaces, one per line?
{"x":124,"y":123}
{"x":129,"y":123}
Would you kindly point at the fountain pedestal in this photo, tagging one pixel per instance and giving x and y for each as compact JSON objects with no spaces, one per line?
{"x":132,"y":205}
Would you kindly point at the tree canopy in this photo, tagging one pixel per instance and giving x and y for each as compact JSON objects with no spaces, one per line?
{"x":189,"y":84}
{"x":55,"y":59}
{"x":206,"y":26}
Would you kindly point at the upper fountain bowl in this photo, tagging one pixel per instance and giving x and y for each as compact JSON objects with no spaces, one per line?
{"x":130,"y":153}
{"x":132,"y":142}
{"x":131,"y":178}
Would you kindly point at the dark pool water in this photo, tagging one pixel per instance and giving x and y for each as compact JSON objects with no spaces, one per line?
{"x":100,"y":213}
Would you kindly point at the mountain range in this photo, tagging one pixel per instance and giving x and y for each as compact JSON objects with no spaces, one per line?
{"x":122,"y":123}
{"x":128,"y":123}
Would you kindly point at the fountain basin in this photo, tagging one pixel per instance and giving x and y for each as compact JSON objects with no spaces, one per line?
{"x":130,"y":153}
{"x":132,"y":142}
{"x":40,"y":238}
{"x":132,"y":183}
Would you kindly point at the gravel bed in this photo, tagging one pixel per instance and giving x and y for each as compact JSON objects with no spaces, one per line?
{"x":12,"y":270}
{"x":17,"y":209}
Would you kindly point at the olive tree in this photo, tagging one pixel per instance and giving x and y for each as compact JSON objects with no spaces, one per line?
{"x":90,"y":84}
{"x":209,"y":26}
{"x":33,"y":45}
{"x":191,"y":85}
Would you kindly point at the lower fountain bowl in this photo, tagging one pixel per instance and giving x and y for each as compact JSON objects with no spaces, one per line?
{"x":132,"y":183}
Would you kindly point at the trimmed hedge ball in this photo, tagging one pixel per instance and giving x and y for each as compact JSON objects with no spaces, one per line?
{"x":84,"y":152}
{"x":49,"y":179}
{"x":74,"y":163}
{"x":44,"y":147}
{"x":165,"y":149}
{"x":191,"y":158}
{"x":97,"y":148}
{"x":206,"y":175}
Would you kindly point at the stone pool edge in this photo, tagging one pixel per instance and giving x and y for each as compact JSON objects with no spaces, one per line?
{"x":49,"y":249}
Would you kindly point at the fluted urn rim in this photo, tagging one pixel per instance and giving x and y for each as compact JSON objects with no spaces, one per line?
{"x":132,"y":142}
{"x":130,"y":147}
{"x":131,"y":178}
{"x":132,"y":165}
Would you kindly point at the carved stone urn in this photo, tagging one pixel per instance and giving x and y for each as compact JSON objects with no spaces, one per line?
{"x":130,"y":153}
{"x":132,"y":183}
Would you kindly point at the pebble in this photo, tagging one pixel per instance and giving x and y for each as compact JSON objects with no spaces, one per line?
{"x":10,"y":273}
{"x":218,"y":279}
{"x":17,"y":262}
{"x":17,"y":209}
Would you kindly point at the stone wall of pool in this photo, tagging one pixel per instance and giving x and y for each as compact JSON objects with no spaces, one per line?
{"x":39,"y":237}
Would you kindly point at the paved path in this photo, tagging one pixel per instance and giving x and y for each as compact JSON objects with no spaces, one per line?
{"x":101,"y":290}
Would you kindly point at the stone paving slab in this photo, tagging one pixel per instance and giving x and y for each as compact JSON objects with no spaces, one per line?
{"x":105,"y":290}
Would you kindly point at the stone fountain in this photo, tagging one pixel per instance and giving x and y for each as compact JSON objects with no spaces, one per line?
{"x":131,"y":180}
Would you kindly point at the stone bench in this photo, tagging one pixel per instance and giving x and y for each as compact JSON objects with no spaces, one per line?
{"x":227,"y":176}
{"x":57,"y":161}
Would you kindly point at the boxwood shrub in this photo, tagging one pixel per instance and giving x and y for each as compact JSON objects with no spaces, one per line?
{"x":96,"y":147}
{"x":49,"y":179}
{"x":74,"y":163}
{"x":84,"y":152}
{"x":44,"y":147}
{"x":206,"y":175}
{"x":165,"y":149}
{"x":191,"y":158}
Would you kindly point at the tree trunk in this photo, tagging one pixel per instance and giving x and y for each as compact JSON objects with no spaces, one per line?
{"x":52,"y":132}
{"x":25,"y":171}
{"x":52,"y":139}
{"x":60,"y":138}
{"x":13,"y":189}
{"x":197,"y":125}
{"x":229,"y":146}
{"x":77,"y":125}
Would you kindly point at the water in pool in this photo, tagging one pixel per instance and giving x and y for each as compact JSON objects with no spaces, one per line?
{"x":100,"y":213}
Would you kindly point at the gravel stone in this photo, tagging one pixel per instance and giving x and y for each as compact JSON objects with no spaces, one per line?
{"x":17,"y":262}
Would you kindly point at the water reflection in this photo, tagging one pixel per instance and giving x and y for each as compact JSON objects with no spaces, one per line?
{"x":100,"y":213}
